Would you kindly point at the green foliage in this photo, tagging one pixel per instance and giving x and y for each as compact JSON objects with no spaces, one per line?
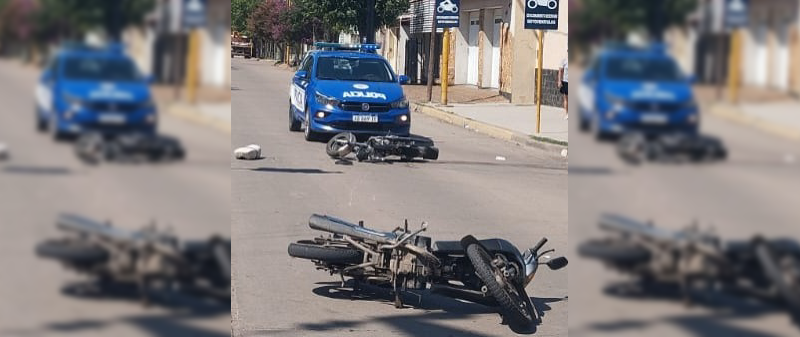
{"x":613,"y":19}
{"x":344,"y":15}
{"x":240,"y":12}
{"x":72,"y":18}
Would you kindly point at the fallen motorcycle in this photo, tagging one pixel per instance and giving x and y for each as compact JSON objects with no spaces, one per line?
{"x":490,"y":272}
{"x":636,"y":148}
{"x":95,"y":147}
{"x":699,"y":262}
{"x":377,"y":148}
{"x":148,"y":258}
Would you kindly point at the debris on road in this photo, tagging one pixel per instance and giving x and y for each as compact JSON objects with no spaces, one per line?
{"x":500,"y":158}
{"x":249,"y":152}
{"x":564,"y":153}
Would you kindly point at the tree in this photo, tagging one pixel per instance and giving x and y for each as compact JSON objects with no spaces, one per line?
{"x":73,"y":18}
{"x":613,"y":19}
{"x":240,"y":12}
{"x":344,"y":15}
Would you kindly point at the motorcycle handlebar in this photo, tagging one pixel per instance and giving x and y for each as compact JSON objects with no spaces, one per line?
{"x":539,"y":245}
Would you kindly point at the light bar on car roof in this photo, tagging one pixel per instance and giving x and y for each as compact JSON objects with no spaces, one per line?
{"x":364,"y":47}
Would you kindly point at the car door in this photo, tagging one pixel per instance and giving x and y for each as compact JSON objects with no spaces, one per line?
{"x":300,"y":86}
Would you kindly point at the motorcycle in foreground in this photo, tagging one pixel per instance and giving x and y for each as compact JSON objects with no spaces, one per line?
{"x":490,"y":272}
{"x":147,"y":258}
{"x":377,"y":148}
{"x":699,"y":262}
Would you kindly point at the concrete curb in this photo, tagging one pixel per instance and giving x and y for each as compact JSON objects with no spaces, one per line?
{"x":732,"y":113}
{"x":190,"y":114}
{"x":490,"y":130}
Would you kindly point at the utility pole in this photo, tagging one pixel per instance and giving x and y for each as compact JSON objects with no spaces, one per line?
{"x":114,"y":17}
{"x":445,"y":64}
{"x":430,"y":54}
{"x":370,"y":23}
{"x":540,"y":56}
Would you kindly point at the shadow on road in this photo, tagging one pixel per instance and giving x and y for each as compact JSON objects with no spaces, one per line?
{"x":727,"y":309}
{"x":498,"y":164}
{"x":37,"y":170}
{"x":588,"y":170}
{"x":293,"y":170}
{"x":436,"y":308}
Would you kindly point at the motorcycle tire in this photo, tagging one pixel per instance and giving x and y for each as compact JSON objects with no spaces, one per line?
{"x":73,"y":252}
{"x":335,"y":150}
{"x":515,"y":309}
{"x":330,"y":254}
{"x":615,"y":252}
{"x":788,"y":289}
{"x":430,"y":153}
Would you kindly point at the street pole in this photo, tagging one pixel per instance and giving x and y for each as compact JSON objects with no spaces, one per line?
{"x":540,"y":56}
{"x":192,"y":67}
{"x":445,"y":64}
{"x":733,"y":66}
{"x":430,"y":58}
{"x":370,"y":33}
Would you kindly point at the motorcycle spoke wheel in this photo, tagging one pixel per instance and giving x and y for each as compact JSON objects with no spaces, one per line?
{"x":515,"y":309}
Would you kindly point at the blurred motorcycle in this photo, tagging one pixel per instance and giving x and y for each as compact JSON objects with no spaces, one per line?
{"x":700,"y":262}
{"x":377,"y":148}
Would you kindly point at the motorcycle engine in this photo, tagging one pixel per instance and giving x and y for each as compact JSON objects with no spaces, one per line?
{"x":412,"y":270}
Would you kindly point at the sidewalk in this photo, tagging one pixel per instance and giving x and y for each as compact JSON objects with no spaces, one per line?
{"x":778,"y":118}
{"x":213,"y":107}
{"x":486,"y":111}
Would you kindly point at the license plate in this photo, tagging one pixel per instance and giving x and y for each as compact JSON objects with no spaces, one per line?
{"x":654,"y":119}
{"x":365,"y":118}
{"x":112,"y":118}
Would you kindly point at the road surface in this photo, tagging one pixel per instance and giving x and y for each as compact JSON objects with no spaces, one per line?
{"x":755,"y":191}
{"x":467,"y":191}
{"x":44,"y":178}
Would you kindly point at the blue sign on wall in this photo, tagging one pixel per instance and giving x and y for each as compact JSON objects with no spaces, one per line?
{"x":446,"y":13}
{"x":194,"y":13}
{"x":541,"y":14}
{"x":736,"y":13}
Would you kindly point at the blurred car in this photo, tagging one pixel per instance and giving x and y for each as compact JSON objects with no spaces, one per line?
{"x":347,"y":88}
{"x":640,"y":89}
{"x":90,"y":88}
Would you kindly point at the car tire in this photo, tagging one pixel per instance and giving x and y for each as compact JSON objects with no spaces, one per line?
{"x":294,"y":124}
{"x":52,"y":126}
{"x":41,"y":123}
{"x":310,"y":135}
{"x":583,"y":123}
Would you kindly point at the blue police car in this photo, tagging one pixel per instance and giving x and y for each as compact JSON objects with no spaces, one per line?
{"x":347,"y":88}
{"x":629,"y":88}
{"x":89,"y":88}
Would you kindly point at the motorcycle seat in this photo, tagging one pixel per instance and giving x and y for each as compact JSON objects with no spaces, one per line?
{"x":455,"y":248}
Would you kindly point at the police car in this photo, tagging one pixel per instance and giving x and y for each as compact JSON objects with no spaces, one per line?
{"x":639,"y":89}
{"x":91,"y":88}
{"x":347,"y":88}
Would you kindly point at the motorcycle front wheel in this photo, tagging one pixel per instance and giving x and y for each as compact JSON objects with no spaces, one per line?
{"x":332,"y":254}
{"x":513,"y":302}
{"x":340,"y":145}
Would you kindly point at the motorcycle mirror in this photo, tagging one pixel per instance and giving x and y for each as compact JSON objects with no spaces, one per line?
{"x":557,"y":263}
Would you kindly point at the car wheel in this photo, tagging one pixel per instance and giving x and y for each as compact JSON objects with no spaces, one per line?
{"x":294,"y":124}
{"x":52,"y":125}
{"x":309,"y":134}
{"x":583,"y":123}
{"x":41,"y":123}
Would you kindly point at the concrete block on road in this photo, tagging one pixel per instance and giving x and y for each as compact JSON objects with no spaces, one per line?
{"x":249,"y":152}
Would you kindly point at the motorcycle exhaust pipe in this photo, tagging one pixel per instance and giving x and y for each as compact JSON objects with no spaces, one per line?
{"x":622,"y":224}
{"x":337,"y":226}
{"x":77,"y":223}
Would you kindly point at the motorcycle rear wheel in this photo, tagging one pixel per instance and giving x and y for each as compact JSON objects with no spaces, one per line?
{"x":331,"y":254}
{"x":512,"y":303}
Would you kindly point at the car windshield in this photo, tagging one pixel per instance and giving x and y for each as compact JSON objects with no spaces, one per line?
{"x":643,"y":69}
{"x":353,"y":69}
{"x":100,"y":69}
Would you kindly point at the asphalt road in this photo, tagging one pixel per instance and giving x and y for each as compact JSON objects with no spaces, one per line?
{"x":755,"y":191}
{"x":467,"y":191}
{"x":43,"y":178}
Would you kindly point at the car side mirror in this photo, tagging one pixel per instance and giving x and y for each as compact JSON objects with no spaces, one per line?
{"x":301,"y":74}
{"x":557,"y":263}
{"x":403,"y":79}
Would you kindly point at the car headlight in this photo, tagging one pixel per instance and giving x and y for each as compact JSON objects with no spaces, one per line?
{"x":399,"y":104}
{"x":617,"y":103}
{"x":329,"y":102}
{"x":75,"y":103}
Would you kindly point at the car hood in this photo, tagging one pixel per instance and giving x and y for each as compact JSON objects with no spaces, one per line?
{"x":369,"y":92}
{"x":107,"y":91}
{"x":649,"y":91}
